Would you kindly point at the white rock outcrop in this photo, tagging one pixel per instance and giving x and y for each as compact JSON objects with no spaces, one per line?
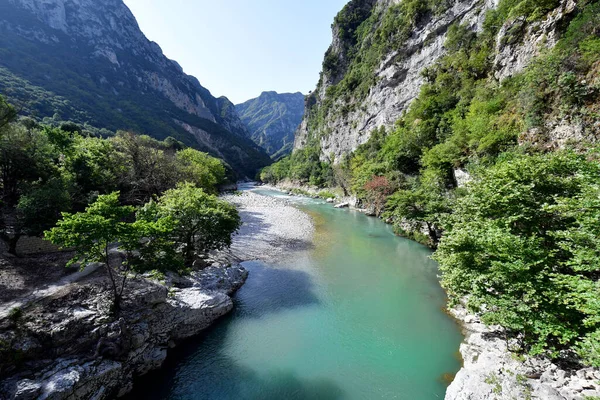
{"x":70,"y":348}
{"x":399,"y":80}
{"x":491,"y":371}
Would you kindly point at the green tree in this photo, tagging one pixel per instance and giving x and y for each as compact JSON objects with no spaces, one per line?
{"x":92,"y":232}
{"x":42,"y":204}
{"x":95,"y":166}
{"x":200,"y":169}
{"x":423,"y":202}
{"x":201,"y":222}
{"x":149,"y":170}
{"x":523,"y":246}
{"x":7,"y":113}
{"x":27,"y":162}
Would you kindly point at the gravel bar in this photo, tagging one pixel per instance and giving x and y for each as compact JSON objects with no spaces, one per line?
{"x":272,"y":228}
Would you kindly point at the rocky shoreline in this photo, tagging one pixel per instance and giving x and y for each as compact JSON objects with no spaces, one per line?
{"x":66,"y":346}
{"x":491,"y":371}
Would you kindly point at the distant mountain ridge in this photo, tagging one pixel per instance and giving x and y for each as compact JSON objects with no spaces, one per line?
{"x":88,"y":61}
{"x":272,"y":119}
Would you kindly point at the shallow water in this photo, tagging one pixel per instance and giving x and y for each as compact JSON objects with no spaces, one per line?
{"x":357,"y":316}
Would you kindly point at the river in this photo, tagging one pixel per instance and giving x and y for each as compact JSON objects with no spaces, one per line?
{"x":359,"y":315}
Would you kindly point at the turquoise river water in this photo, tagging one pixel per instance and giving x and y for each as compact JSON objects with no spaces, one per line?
{"x":357,"y":316}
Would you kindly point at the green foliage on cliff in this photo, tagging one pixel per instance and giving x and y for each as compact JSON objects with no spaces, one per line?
{"x":303,"y":166}
{"x":366,"y":34}
{"x":520,"y":241}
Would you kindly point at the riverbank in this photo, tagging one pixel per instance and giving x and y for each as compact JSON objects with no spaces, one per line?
{"x":66,"y":345}
{"x":311,"y":326}
{"x":491,"y":371}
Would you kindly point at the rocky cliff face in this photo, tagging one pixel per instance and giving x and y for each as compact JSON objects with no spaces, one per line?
{"x":88,"y":61}
{"x":272,"y":119}
{"x":340,"y":123}
{"x":69,"y":347}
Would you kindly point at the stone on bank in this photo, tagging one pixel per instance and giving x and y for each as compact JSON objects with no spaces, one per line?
{"x":68,"y":347}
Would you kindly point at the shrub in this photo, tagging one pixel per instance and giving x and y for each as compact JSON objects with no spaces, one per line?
{"x":523,"y":245}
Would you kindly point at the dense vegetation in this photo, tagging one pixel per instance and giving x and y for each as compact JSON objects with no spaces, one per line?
{"x":93,"y":190}
{"x":523,"y":246}
{"x":520,"y":240}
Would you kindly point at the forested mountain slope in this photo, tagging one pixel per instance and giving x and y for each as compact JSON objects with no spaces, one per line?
{"x":272,"y":119}
{"x":88,"y":61}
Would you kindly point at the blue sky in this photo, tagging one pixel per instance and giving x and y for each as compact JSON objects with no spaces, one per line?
{"x":239,"y":48}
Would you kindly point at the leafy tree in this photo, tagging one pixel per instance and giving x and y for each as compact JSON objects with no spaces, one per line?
{"x":200,"y":169}
{"x":153,"y":245}
{"x":377,"y":191}
{"x":7,"y":113}
{"x":425,"y":202}
{"x":149,"y":171}
{"x":523,"y":246}
{"x":27,"y":160}
{"x":42,"y":203}
{"x":201,"y":222}
{"x":91,"y":233}
{"x":71,"y":127}
{"x":104,"y":223}
{"x":25,"y":156}
{"x":95,"y":167}
{"x":63,"y":141}
{"x":342,"y":176}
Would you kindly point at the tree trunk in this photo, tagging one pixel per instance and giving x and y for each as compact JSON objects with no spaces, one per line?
{"x":116,"y":306}
{"x":346,"y":193}
{"x":12,"y":244}
{"x":189,"y":252}
{"x":432,"y":234}
{"x":116,"y":309}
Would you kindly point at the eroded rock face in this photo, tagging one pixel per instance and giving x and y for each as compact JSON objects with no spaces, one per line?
{"x":490,"y":371}
{"x":519,"y":42}
{"x":399,"y":80}
{"x":70,"y":348}
{"x":272,"y":118}
{"x":109,"y":27}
